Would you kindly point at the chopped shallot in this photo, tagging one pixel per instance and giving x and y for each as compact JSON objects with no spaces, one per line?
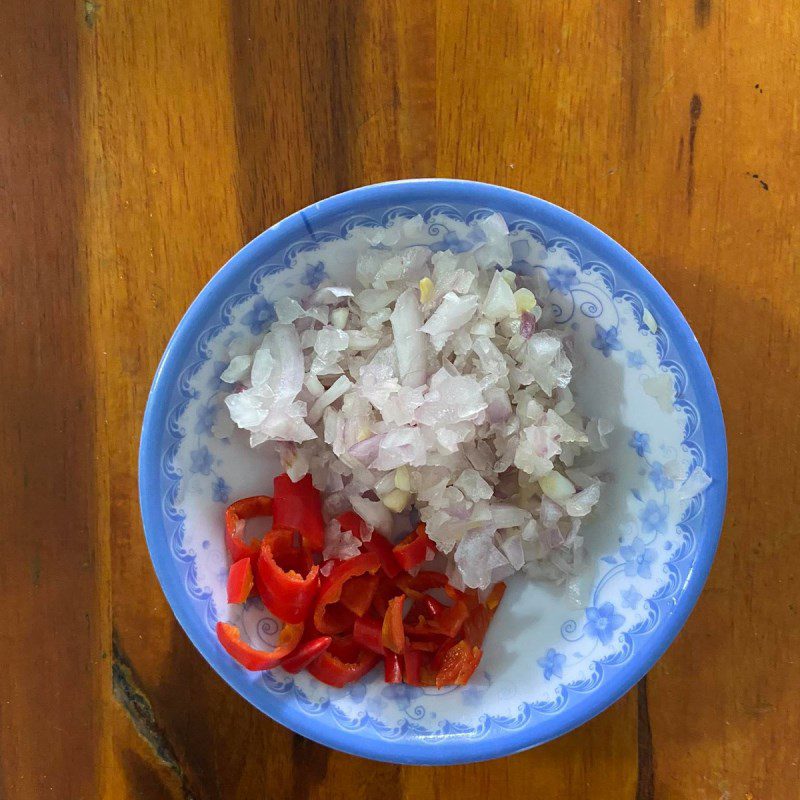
{"x":432,"y":389}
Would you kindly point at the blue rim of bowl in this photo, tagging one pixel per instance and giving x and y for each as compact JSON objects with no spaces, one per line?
{"x":447,"y":750}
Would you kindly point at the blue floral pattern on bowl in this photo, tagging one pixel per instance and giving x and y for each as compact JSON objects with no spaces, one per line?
{"x":551,"y":660}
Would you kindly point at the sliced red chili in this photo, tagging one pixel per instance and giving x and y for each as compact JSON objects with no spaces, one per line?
{"x":412,"y":665}
{"x":424,"y":645}
{"x":495,"y":596}
{"x":288,"y":579}
{"x":330,"y":616}
{"x":481,"y":616}
{"x":336,"y":619}
{"x":448,"y":622}
{"x":416,"y":585}
{"x":345,"y":647}
{"x":458,"y":664}
{"x":305,"y":654}
{"x":413,"y":550}
{"x":350,"y":521}
{"x":251,"y":658}
{"x":330,"y":669}
{"x":469,"y":596}
{"x":392,"y":668}
{"x":383,"y":594}
{"x":357,"y":593}
{"x":392,"y":633}
{"x":258,"y":583}
{"x":427,"y":607}
{"x":240,"y":580}
{"x":477,"y":624}
{"x":367,"y":632}
{"x":235,"y":516}
{"x":377,"y":543}
{"x":298,"y":506}
{"x":438,"y":645}
{"x":438,"y":658}
{"x":427,"y":675}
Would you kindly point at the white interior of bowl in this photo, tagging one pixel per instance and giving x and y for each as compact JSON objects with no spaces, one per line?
{"x":545,"y":637}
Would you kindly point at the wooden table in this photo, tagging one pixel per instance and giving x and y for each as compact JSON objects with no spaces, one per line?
{"x":142,"y":143}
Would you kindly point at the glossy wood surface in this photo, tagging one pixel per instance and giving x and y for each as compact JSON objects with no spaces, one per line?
{"x":142,"y":143}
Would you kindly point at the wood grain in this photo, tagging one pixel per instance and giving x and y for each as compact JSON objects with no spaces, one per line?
{"x":141,"y":144}
{"x":50,"y":649}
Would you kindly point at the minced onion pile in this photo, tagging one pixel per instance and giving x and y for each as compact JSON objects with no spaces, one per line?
{"x":430,"y":389}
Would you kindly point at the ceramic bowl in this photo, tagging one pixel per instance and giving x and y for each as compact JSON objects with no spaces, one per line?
{"x":553,"y":658}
